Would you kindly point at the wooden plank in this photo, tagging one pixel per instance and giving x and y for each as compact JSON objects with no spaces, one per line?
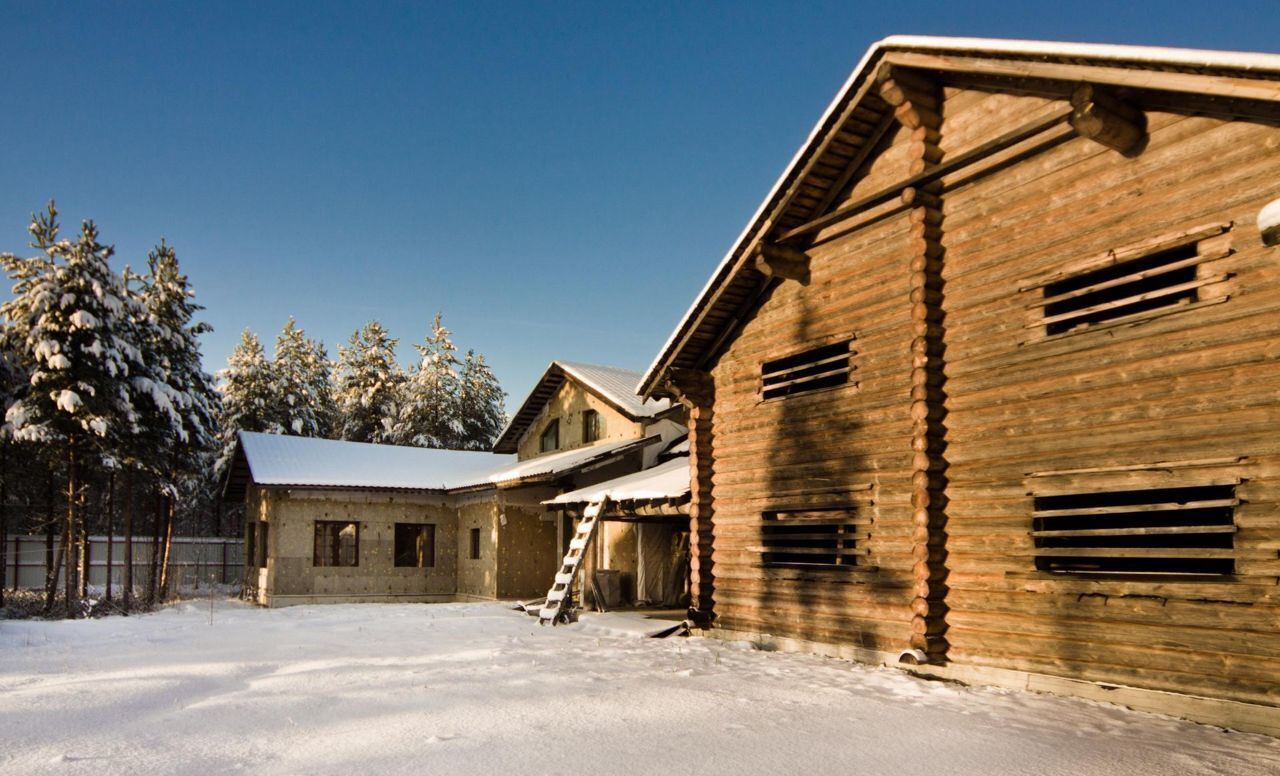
{"x":1131,"y":508}
{"x":1133,"y":77}
{"x":1133,"y":278}
{"x":1134,"y":552}
{"x":1149,"y":531}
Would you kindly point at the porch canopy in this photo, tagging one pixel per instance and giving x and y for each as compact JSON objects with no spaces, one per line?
{"x":660,"y":491}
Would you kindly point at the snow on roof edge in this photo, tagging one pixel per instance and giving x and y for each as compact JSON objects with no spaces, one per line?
{"x":666,"y":481}
{"x":1150,"y":54}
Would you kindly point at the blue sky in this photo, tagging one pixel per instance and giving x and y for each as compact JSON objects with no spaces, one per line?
{"x":558,"y":179}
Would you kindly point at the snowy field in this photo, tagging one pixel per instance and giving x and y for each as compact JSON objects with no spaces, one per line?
{"x":478,"y":689}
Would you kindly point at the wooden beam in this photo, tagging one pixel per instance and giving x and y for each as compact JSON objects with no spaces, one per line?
{"x":934,"y":173}
{"x":1109,"y":75}
{"x":783,"y":262}
{"x":1103,"y":118}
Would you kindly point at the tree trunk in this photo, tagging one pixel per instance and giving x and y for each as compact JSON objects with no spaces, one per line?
{"x":72,"y":534}
{"x":131,"y":504}
{"x":111,"y":527}
{"x":50,"y":573}
{"x":168,"y":544}
{"x":154,"y":578}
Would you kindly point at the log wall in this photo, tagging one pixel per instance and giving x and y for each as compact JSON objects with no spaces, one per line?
{"x":1188,"y":385}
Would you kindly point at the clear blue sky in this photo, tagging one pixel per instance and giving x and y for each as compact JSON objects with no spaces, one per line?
{"x":558,"y":179}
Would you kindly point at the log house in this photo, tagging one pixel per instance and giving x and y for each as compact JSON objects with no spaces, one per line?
{"x":987,"y":386}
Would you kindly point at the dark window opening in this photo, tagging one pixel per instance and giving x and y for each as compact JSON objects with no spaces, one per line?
{"x":415,"y":545}
{"x":1161,"y":279}
{"x":263,"y":529}
{"x":1188,"y":530}
{"x":550,"y":439}
{"x":823,"y":538}
{"x":475,"y":544}
{"x":250,"y":544}
{"x":337,"y":543}
{"x":824,"y":367}
{"x":591,"y":426}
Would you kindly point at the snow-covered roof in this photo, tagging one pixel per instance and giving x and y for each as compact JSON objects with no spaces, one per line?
{"x":568,"y":460}
{"x":1152,"y":58}
{"x":274,"y":459}
{"x":614,"y":385}
{"x":666,"y":481}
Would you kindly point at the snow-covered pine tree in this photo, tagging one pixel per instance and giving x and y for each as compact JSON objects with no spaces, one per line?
{"x":71,"y":312}
{"x":480,"y":404}
{"x":428,"y":415}
{"x":303,"y":384}
{"x":248,"y":396}
{"x":368,"y":385}
{"x":170,"y":337}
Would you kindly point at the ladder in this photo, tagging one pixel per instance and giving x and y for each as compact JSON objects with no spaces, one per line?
{"x":558,"y":596}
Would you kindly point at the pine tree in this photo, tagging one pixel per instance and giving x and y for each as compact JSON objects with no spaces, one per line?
{"x":72,"y":314}
{"x":170,"y":337}
{"x":303,"y":385}
{"x":428,"y":415}
{"x":480,"y":404}
{"x":369,"y":385}
{"x":247,"y":396}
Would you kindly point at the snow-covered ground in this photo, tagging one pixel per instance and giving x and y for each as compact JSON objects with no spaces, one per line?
{"x":479,"y":689}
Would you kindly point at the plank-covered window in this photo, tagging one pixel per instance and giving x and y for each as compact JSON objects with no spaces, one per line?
{"x":827,"y":366}
{"x":1136,"y":282}
{"x":337,"y":543}
{"x":415,"y":545}
{"x":550,"y":439}
{"x":592,"y":428}
{"x":810,"y":538}
{"x":1178,"y":530}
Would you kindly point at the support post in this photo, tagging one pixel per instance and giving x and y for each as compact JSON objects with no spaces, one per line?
{"x":696,"y":391}
{"x":913,"y":95}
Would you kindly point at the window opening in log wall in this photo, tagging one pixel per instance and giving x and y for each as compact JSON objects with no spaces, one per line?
{"x":828,"y":366}
{"x":1186,"y":530}
{"x":1164,"y":279}
{"x":415,"y":545}
{"x":809,"y":538}
{"x":337,"y":543}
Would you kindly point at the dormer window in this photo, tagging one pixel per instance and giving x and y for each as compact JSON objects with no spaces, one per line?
{"x":592,"y":428}
{"x":550,"y":437}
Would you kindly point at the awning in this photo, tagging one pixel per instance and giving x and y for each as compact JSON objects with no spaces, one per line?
{"x":666,"y":482}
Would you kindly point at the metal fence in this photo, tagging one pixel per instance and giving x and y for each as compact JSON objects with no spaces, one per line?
{"x":193,"y":561}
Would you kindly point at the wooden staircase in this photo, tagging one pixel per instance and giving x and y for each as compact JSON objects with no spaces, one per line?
{"x":558,"y":596}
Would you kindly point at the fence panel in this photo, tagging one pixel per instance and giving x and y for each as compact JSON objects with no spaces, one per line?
{"x":194,"y":561}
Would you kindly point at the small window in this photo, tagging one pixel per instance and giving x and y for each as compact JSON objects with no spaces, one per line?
{"x":475,"y":544}
{"x":415,"y":545}
{"x":813,"y":370}
{"x":550,"y":437}
{"x":263,"y":528}
{"x":1185,"y":530}
{"x":820,"y":539}
{"x":337,"y":543}
{"x":591,"y":426}
{"x":251,"y":544}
